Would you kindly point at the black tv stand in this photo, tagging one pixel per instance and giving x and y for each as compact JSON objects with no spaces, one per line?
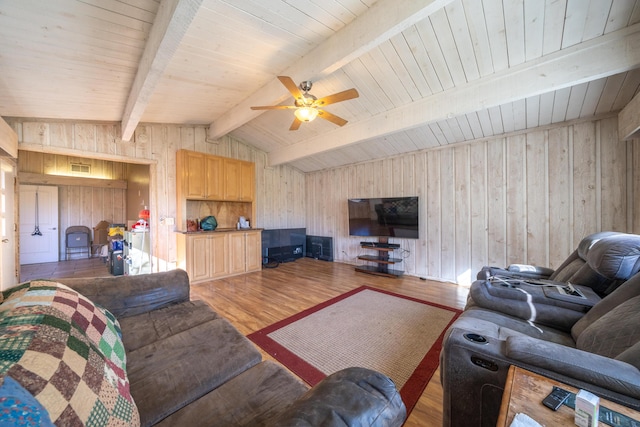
{"x":379,"y":245}
{"x":383,"y":261}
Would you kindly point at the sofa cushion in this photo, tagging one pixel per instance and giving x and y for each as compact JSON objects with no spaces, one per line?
{"x":614,"y":332}
{"x":144,"y":329}
{"x":59,"y":347}
{"x":249,"y":399}
{"x":169,"y":374}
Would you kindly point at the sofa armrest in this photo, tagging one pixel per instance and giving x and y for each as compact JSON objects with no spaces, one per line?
{"x":592,"y":368}
{"x":352,"y":396}
{"x":521,"y":271}
{"x":126,"y":296}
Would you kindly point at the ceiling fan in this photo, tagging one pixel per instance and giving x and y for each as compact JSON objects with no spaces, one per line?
{"x":308,"y":107}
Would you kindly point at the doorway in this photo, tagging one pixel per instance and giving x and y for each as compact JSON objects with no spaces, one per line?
{"x":8,"y":272}
{"x":39,"y":237}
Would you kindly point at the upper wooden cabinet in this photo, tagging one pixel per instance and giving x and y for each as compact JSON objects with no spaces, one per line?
{"x":215,"y":178}
{"x":206,"y":177}
{"x":240,"y":182}
{"x":192,"y":171}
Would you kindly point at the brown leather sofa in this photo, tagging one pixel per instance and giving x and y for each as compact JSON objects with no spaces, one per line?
{"x":189,"y":366}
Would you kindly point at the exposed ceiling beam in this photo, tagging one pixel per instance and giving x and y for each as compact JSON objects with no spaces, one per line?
{"x":383,"y":20}
{"x":8,"y":140}
{"x":615,"y":52}
{"x":169,"y":27}
{"x":629,"y":120}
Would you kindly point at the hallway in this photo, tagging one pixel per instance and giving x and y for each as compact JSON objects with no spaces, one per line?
{"x":91,"y":267}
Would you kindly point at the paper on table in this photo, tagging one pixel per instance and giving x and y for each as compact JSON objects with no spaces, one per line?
{"x":524,"y":420}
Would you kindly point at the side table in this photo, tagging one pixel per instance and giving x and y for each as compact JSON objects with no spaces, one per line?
{"x":524,"y":391}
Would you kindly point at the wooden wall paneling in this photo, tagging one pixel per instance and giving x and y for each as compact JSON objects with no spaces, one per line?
{"x":448,"y":217}
{"x":478,"y":191}
{"x":451,"y":230}
{"x":187,"y":138}
{"x":433,"y":214}
{"x":408,"y":188}
{"x":341,"y":247}
{"x":613,"y":200}
{"x":461,"y":232}
{"x":166,"y":167}
{"x":559,"y":189}
{"x":35,"y":133}
{"x":142,"y":136}
{"x":84,"y":137}
{"x":63,"y":218}
{"x":47,"y":164}
{"x":200,"y":140}
{"x":106,"y":138}
{"x":260,"y":199}
{"x":421,"y":252}
{"x":496,"y":197}
{"x":126,"y":149}
{"x":515,"y":202}
{"x":97,"y":199}
{"x":331,"y":198}
{"x":584,"y":181}
{"x":265,"y":209}
{"x":311,"y":207}
{"x":536,"y":199}
{"x":158,"y":199}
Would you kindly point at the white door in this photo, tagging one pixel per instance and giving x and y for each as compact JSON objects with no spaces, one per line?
{"x":38,"y":224}
{"x":8,"y":271}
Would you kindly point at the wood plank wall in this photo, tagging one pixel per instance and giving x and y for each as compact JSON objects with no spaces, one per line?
{"x":527,"y":197}
{"x":279,"y":192}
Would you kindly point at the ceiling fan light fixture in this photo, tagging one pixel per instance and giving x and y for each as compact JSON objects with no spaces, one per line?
{"x":306,"y":114}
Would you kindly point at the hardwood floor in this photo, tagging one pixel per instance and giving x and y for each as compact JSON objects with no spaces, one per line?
{"x":86,"y":267}
{"x":255,"y":300}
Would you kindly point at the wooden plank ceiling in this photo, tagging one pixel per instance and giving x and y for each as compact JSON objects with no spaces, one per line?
{"x":429,"y":72}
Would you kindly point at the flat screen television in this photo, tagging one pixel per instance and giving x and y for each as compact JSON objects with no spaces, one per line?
{"x":384,"y":217}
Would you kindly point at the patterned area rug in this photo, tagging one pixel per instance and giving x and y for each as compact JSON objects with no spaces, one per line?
{"x":396,"y":335}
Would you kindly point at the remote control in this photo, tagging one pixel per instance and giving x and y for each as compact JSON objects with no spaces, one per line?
{"x":556,"y":398}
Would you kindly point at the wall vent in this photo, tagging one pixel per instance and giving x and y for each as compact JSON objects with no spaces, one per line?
{"x":80,"y":168}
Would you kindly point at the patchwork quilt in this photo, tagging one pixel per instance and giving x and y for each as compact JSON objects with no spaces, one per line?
{"x":62,"y":361}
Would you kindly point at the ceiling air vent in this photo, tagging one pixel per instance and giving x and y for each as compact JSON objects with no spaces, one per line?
{"x":80,"y":168}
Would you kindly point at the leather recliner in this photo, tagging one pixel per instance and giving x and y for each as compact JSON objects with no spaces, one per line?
{"x":609,"y":261}
{"x":601,"y":354}
{"x":574,"y":269}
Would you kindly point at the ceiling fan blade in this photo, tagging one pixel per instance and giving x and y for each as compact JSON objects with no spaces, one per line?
{"x":296,"y":124}
{"x":332,"y":118}
{"x":337,"y":97}
{"x":274,"y":107}
{"x":291,"y":86}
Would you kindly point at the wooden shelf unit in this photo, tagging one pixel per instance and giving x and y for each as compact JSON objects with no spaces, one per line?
{"x":383,"y":261}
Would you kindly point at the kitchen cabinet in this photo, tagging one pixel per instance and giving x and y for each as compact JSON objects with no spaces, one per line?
{"x":192,"y":173}
{"x":244,"y":252}
{"x":239,"y":184}
{"x":214,"y":255}
{"x":201,"y":176}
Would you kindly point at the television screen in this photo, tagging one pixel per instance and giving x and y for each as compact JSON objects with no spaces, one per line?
{"x":384,"y":217}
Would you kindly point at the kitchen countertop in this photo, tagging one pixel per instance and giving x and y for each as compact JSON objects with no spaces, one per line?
{"x":218,"y":230}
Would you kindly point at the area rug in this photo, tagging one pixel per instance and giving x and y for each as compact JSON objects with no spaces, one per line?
{"x":390,"y":333}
